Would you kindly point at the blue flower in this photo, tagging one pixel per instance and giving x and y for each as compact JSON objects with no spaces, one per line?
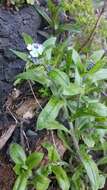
{"x":35,"y":49}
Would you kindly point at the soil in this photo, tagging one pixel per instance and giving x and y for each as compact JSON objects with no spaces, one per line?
{"x":12,"y":25}
{"x":7,"y":176}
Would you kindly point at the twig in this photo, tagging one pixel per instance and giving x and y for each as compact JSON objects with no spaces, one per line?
{"x":34,"y":95}
{"x":53,"y":139}
{"x":90,"y":38}
{"x":21,"y":135}
{"x":12,"y":115}
{"x":27,"y":142}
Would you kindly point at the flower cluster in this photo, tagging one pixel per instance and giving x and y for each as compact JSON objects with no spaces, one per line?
{"x":35,"y":49}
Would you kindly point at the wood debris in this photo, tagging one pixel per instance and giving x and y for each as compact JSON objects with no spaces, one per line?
{"x":6,"y":135}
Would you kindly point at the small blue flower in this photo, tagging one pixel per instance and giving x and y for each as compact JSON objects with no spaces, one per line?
{"x":35,"y":49}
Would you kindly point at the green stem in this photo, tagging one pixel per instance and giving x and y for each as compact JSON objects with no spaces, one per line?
{"x":74,"y":139}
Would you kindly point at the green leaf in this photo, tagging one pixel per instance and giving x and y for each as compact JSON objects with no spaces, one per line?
{"x":34,"y":160}
{"x":21,"y":183}
{"x":49,"y":113}
{"x":88,"y":140}
{"x":97,"y":55}
{"x":18,"y":169}
{"x":43,"y":14}
{"x":99,"y":109}
{"x":102,"y":161}
{"x":53,"y":125}
{"x":31,"y":2}
{"x":27,"y":38}
{"x":17,"y":154}
{"x":59,"y":77}
{"x":92,"y":171}
{"x":37,"y":74}
{"x":41,"y":182}
{"x":72,"y":89}
{"x":76,"y":178}
{"x":53,"y":154}
{"x":93,"y":109}
{"x":21,"y":55}
{"x":68,"y":27}
{"x":77,"y":60}
{"x":48,"y":45}
{"x":50,"y":42}
{"x":75,"y":57}
{"x":96,"y":67}
{"x":99,"y":75}
{"x":61,"y":177}
{"x":64,"y":138}
{"x":102,"y":181}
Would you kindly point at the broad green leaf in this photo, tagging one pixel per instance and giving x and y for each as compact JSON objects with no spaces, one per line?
{"x":77,"y":60}
{"x":50,"y":42}
{"x":88,"y":140}
{"x":96,"y":67}
{"x":78,"y":185}
{"x":27,"y":38}
{"x":93,"y":109}
{"x":101,"y":146}
{"x":99,"y":109}
{"x":20,"y":183}
{"x":48,"y":45}
{"x":100,"y":126}
{"x":37,"y":74}
{"x":41,"y":182}
{"x":17,"y":154}
{"x":92,"y":171}
{"x":18,"y":169}
{"x":102,"y":161}
{"x":78,"y":172}
{"x":68,"y":27}
{"x":55,"y":125}
{"x":76,"y":179}
{"x":99,"y":75}
{"x":78,"y":78}
{"x":34,"y":160}
{"x":75,"y":57}
{"x":97,"y":55}
{"x":102,"y":181}
{"x":31,"y":2}
{"x":21,"y":55}
{"x":61,"y":177}
{"x":59,"y":77}
{"x":50,"y":112}
{"x":53,"y":154}
{"x":72,"y":89}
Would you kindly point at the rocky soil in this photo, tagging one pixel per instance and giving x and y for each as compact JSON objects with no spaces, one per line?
{"x":12,"y":25}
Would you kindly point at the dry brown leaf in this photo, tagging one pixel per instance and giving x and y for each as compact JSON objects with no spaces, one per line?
{"x":26,"y":109}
